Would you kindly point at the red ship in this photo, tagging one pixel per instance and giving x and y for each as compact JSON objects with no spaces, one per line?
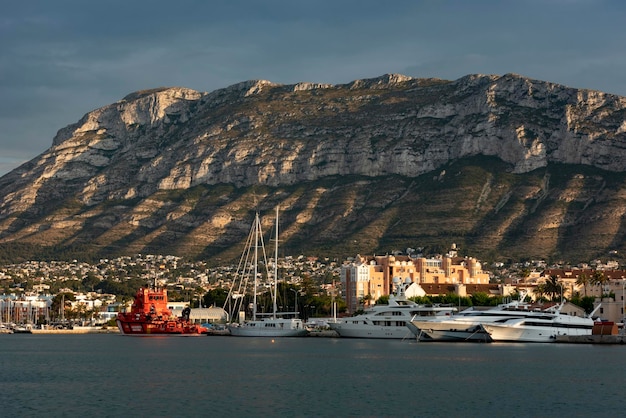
{"x":149,"y":315}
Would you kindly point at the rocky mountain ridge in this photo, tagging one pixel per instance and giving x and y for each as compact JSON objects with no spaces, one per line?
{"x":180,"y":170}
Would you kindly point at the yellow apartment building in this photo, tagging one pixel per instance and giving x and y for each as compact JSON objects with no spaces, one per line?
{"x":367,"y":278}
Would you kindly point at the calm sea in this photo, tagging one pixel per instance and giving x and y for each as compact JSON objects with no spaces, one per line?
{"x":114,"y":376}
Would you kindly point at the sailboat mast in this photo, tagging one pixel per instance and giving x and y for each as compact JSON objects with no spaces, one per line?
{"x":256,"y":258}
{"x":275,"y":267}
{"x":334,"y":304}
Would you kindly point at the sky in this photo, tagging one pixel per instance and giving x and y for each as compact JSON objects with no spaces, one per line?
{"x":64,"y":58}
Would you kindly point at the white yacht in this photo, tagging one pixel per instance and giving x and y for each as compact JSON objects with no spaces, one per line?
{"x":388,"y":321}
{"x":466,"y":325}
{"x":270,"y":327}
{"x":543,"y":327}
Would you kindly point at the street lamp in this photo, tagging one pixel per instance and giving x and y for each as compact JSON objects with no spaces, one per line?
{"x":295,"y":305}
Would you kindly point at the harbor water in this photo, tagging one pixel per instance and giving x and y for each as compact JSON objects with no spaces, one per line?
{"x":109,"y":375}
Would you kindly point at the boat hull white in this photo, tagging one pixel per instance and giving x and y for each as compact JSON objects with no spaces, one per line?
{"x":537,"y":332}
{"x":370,"y":331}
{"x":449,"y":331}
{"x":269,"y":328}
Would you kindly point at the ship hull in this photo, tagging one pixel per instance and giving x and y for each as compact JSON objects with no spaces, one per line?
{"x":370,"y":331}
{"x":269,"y":328}
{"x":537,"y":332}
{"x":449,"y":331}
{"x":173,"y":328}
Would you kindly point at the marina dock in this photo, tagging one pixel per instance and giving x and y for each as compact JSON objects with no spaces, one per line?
{"x":592,"y":339}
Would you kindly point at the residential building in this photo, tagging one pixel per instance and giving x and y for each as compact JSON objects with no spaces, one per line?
{"x":367,"y":278}
{"x":356,"y":281}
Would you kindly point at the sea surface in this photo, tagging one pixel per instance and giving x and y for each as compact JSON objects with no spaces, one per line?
{"x":108,"y":375}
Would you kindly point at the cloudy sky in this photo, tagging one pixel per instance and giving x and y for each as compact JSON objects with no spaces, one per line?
{"x":61,"y":59}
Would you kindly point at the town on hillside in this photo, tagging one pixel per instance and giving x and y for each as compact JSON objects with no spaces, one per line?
{"x":62,"y":294}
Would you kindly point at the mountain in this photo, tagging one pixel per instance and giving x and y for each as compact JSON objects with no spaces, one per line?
{"x":503,"y":166}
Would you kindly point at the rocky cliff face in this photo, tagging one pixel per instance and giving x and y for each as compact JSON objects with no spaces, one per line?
{"x":124,"y":173}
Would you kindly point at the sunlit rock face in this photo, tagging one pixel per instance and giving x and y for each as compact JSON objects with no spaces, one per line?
{"x":261,"y":133}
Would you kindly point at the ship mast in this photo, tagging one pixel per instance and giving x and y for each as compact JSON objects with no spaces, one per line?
{"x":274,"y":307}
{"x":256,"y":263}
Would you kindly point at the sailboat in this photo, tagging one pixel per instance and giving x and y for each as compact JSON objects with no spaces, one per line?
{"x":261,"y":325}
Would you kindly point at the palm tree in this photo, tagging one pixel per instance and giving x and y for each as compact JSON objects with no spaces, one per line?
{"x":553,"y":287}
{"x":599,"y":278}
{"x":583,"y":280}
